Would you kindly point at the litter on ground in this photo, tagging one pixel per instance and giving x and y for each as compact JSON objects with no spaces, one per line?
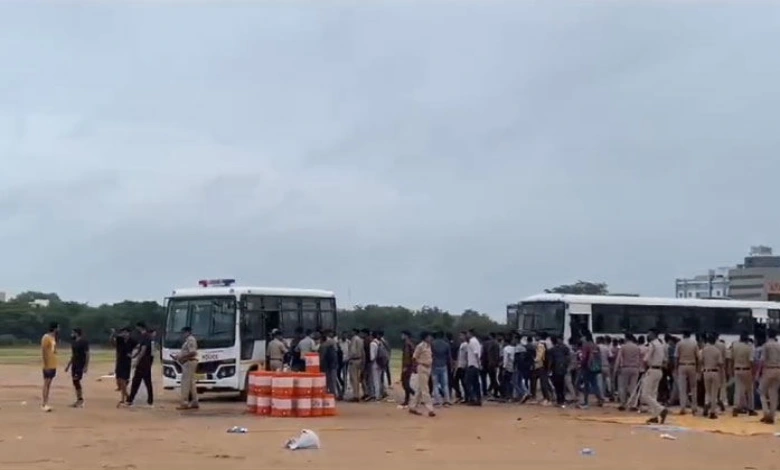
{"x":307,"y":439}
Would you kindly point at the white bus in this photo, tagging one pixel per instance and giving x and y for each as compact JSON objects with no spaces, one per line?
{"x":232,"y":324}
{"x":615,"y":315}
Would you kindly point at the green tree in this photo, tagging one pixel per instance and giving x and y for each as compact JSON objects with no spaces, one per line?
{"x":580,"y":288}
{"x":29,"y":296}
{"x":395,"y":319}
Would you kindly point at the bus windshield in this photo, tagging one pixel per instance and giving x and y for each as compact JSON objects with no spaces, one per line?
{"x":542,"y":316}
{"x":212,"y":319}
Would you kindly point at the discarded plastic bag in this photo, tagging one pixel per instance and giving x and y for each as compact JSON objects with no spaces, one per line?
{"x":665,"y":428}
{"x":307,"y":439}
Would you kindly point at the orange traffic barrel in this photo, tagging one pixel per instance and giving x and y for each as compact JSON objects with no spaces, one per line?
{"x":282,"y":385}
{"x":263,"y":382}
{"x":302,"y":407}
{"x":302,"y":384}
{"x":263,"y":405}
{"x":316,"y":406}
{"x":312,"y":362}
{"x":281,"y":407}
{"x":251,"y":393}
{"x":329,"y":405}
{"x":319,"y":388}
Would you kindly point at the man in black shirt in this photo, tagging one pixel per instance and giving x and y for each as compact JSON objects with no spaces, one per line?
{"x":143,"y":367}
{"x":559,"y":358}
{"x":79,"y":361}
{"x":124,"y":345}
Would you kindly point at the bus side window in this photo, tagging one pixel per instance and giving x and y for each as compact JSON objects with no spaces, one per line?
{"x":327,"y":314}
{"x":609,"y":319}
{"x":309,"y":315}
{"x":773,"y":320}
{"x":642,"y":318}
{"x":290,"y":316}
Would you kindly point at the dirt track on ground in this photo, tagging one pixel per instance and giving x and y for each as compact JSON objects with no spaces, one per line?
{"x":376,"y":436}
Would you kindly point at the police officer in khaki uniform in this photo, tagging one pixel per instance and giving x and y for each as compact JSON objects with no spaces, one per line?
{"x":712,"y":365}
{"x":423,"y":361}
{"x":770,"y":377}
{"x":188,"y":358}
{"x":357,"y":361}
{"x":276,"y":351}
{"x":655,"y":359}
{"x":742,"y":353}
{"x":687,"y":353}
{"x":627,"y":363}
{"x":722,"y":393}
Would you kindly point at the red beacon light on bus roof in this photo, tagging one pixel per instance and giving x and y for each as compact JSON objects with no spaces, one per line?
{"x":216,"y":282}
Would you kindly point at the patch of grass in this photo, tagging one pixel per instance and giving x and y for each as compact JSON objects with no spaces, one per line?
{"x":32,"y":355}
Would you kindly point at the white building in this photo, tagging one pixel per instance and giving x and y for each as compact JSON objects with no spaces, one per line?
{"x":3,"y":297}
{"x":714,"y":284}
{"x":40,"y":303}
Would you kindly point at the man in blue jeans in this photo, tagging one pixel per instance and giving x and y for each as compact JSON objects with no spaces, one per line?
{"x":473,"y":362}
{"x":520,"y":375}
{"x":441,"y":365}
{"x":590,"y":368}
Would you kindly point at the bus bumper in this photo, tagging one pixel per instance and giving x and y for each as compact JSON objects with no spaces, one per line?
{"x":223,"y":379}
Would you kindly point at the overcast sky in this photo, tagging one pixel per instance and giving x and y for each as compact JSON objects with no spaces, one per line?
{"x":443,"y":153}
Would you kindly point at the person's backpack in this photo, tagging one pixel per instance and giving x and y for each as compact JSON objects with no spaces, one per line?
{"x":382,"y":354}
{"x":594,"y":360}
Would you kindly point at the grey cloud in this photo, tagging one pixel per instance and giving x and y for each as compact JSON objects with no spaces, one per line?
{"x":462,"y":155}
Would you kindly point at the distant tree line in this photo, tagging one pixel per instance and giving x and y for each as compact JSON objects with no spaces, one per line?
{"x":22,"y":323}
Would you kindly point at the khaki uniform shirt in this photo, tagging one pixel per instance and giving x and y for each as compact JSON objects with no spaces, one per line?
{"x":742,"y":354}
{"x":711,"y":358}
{"x":357,"y":351}
{"x":656,"y":354}
{"x":423,"y":356}
{"x":771,"y":354}
{"x":630,"y":356}
{"x":277,"y":349}
{"x":190,"y":345}
{"x":687,"y":352}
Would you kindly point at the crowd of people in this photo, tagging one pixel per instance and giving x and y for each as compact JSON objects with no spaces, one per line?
{"x":653,"y":372}
{"x":638,"y":373}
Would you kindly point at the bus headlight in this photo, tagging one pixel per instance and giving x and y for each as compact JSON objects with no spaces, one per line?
{"x":169,"y":372}
{"x":226,"y":371}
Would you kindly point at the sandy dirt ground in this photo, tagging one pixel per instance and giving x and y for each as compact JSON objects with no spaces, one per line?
{"x":375,"y":436}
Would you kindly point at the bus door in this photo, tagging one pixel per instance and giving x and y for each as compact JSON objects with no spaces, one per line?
{"x":579,"y":319}
{"x":579,"y":324}
{"x":260,"y":316}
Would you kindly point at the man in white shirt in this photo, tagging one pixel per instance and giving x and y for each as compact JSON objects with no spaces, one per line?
{"x":377,"y":372}
{"x":473,"y":353}
{"x":462,"y":365}
{"x":307,"y":344}
{"x":508,"y":368}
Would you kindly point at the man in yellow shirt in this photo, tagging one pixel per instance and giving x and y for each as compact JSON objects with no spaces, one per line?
{"x":49,"y":356}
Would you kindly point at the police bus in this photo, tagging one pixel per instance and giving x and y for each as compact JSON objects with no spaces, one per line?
{"x":569,"y":315}
{"x":232,"y":323}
